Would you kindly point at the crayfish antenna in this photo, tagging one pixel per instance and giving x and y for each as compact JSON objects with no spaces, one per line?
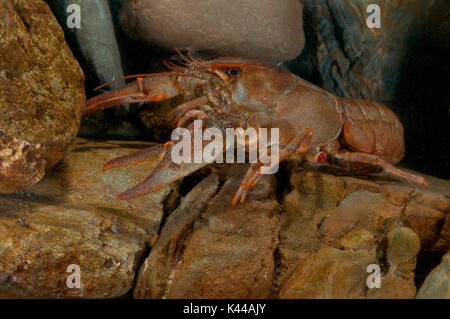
{"x":106,"y":100}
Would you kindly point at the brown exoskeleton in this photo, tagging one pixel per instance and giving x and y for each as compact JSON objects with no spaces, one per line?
{"x":313,"y":123}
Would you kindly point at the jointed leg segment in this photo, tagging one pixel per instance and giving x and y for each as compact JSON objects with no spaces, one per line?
{"x":387,"y":167}
{"x":187,"y":106}
{"x":190,"y":115}
{"x":254,"y":174}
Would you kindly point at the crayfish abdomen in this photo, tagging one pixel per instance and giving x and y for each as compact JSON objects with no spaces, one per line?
{"x":373,"y":128}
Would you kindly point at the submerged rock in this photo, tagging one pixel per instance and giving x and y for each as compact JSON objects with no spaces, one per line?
{"x":437,"y":283}
{"x":355,"y":60}
{"x":94,"y":39}
{"x":330,"y":273}
{"x":94,"y":42}
{"x":334,"y":227}
{"x":209,"y":249}
{"x":263,"y":29}
{"x":403,"y":245}
{"x":41,"y":93}
{"x":72,"y":217}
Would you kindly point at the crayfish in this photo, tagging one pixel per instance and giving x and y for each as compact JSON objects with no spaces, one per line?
{"x":313,"y":124}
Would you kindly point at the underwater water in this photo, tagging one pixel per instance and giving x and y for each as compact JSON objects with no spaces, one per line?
{"x":111,"y":184}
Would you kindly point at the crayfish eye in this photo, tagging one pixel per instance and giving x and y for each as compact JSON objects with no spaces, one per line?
{"x":233,"y":72}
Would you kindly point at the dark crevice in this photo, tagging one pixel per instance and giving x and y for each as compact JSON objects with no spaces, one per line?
{"x":26,"y":24}
{"x":170,"y":202}
{"x":428,"y":259}
{"x":306,"y":64}
{"x":421,"y":96}
{"x":381,"y":252}
{"x":282,"y":188}
{"x":190,"y":181}
{"x":139,"y":264}
{"x":282,"y":177}
{"x":426,"y":262}
{"x":439,"y":228}
{"x":278,"y":267}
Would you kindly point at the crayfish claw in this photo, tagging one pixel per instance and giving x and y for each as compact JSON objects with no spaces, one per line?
{"x":163,"y":174}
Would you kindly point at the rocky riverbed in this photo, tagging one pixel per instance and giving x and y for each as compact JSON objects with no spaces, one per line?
{"x":312,"y":239}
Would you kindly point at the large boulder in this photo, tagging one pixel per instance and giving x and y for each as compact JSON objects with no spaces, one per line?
{"x":210,"y":249}
{"x":41,"y":93}
{"x":262,"y":29}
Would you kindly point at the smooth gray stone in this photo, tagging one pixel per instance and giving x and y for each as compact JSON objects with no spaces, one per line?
{"x":95,"y":42}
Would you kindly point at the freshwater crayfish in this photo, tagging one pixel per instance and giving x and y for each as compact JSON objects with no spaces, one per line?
{"x":313,"y":124}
